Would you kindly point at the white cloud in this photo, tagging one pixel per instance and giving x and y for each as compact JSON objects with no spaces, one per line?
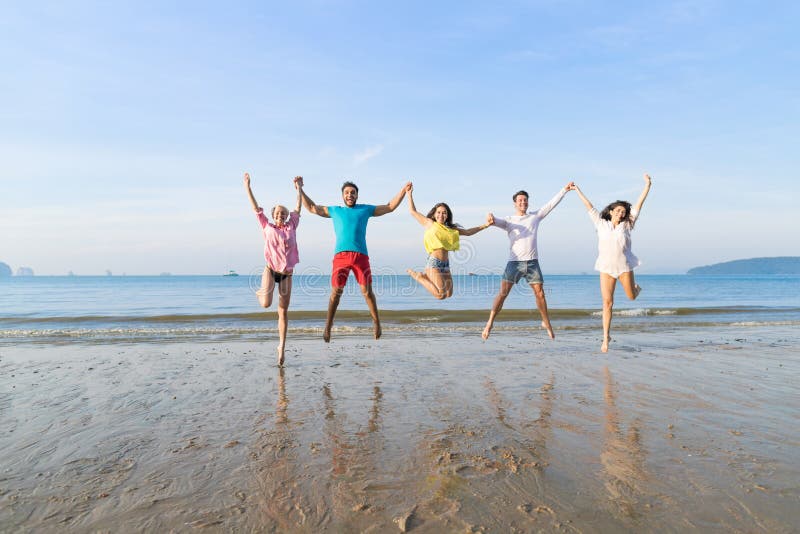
{"x":367,"y":154}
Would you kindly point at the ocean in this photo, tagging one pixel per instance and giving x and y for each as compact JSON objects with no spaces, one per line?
{"x":120,"y":309}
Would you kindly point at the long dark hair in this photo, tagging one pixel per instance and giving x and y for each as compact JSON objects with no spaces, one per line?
{"x":606,"y":213}
{"x":449,"y":221}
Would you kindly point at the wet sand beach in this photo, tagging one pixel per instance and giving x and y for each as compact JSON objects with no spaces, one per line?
{"x":671,"y":431}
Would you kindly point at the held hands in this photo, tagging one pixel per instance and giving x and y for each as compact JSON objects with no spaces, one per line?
{"x":409,"y":188}
{"x":570,"y":186}
{"x":298,"y":182}
{"x":247,"y":180}
{"x":489,"y":219}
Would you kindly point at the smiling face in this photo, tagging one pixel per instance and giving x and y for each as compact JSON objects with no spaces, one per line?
{"x":349,"y":196}
{"x":618,"y":214}
{"x":521,"y":204}
{"x":280,"y":215}
{"x":440,"y":215}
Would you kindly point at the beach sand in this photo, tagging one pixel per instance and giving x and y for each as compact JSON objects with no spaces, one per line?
{"x":671,"y":431}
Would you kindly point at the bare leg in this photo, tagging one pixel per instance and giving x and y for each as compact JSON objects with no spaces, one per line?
{"x":284,"y":295}
{"x":607,"y":285}
{"x":541,"y":303}
{"x":264,"y":293}
{"x":372,"y":304}
{"x":497,"y":305}
{"x":630,"y":286}
{"x":425,"y":282}
{"x":333,"y":303}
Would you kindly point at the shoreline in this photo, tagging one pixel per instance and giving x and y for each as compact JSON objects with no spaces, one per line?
{"x":671,"y":430}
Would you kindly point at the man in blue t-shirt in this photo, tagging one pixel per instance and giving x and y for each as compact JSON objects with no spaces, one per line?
{"x":350,"y":225}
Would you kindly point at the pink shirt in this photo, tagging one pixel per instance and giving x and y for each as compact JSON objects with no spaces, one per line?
{"x":280,"y":243}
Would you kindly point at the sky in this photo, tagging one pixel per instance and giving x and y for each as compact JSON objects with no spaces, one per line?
{"x":125,"y":128}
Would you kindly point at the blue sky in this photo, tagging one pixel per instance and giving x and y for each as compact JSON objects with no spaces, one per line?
{"x":125,"y":127}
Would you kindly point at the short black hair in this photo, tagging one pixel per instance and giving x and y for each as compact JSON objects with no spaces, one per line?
{"x":349,"y":184}
{"x":520,"y":192}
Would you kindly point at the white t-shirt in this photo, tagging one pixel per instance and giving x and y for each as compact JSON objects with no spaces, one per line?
{"x":614,"y":245}
{"x":522,"y":230}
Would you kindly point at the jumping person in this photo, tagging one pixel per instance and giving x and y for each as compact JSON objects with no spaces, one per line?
{"x":441,"y":237}
{"x":350,"y":224}
{"x":280,"y":252}
{"x":523,"y":261}
{"x":615,"y":261}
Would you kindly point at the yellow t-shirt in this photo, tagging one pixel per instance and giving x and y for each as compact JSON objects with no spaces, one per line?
{"x":440,"y":236}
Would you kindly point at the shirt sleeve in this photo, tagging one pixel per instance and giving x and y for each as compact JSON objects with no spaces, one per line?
{"x":594,"y":215}
{"x":262,"y":219}
{"x":294,"y":217}
{"x":501,"y":223}
{"x":632,"y":218}
{"x":547,"y":208}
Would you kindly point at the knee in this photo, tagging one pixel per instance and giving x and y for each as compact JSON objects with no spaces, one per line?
{"x":608,"y":303}
{"x":265,"y":303}
{"x":441,"y":295}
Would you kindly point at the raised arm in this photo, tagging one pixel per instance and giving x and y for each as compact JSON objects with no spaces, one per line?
{"x":647,"y":183}
{"x":474,"y":230}
{"x":383,"y":209}
{"x":322,"y":211}
{"x":250,"y":192}
{"x":582,"y":196}
{"x":298,"y":184}
{"x":550,"y":206}
{"x":412,"y":208}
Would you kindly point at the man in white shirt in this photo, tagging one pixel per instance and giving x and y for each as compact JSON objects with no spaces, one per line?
{"x":523,"y":262}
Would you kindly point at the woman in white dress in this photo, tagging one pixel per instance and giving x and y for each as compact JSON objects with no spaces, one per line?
{"x":615,"y":261}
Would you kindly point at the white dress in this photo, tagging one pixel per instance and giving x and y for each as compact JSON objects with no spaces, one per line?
{"x":614,"y":245}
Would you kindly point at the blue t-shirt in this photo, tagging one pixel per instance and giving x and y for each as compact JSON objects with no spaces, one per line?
{"x":350,"y":225}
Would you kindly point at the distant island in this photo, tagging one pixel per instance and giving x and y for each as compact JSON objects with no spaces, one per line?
{"x":779,"y":265}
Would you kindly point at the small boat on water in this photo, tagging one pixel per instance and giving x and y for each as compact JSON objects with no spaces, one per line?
{"x":231,"y":273}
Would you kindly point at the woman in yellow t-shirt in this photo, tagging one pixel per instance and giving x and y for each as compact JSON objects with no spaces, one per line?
{"x":441,"y":237}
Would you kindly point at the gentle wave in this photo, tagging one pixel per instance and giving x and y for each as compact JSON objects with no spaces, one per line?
{"x":397,"y":316}
{"x":217,"y":333}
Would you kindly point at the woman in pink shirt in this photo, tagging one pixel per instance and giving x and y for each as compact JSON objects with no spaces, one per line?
{"x":280,"y":251}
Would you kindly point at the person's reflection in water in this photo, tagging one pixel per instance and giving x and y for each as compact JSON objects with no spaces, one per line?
{"x":353,"y":466}
{"x":622,"y":458}
{"x":281,"y":503}
{"x":541,"y":425}
{"x":282,"y":410}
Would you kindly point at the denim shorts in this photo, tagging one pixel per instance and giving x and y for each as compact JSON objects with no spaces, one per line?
{"x":529,"y":270}
{"x":439,"y":265}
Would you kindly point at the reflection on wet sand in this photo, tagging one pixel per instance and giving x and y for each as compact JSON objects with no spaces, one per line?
{"x":278,"y":496}
{"x":354,"y":463}
{"x":623,"y":458}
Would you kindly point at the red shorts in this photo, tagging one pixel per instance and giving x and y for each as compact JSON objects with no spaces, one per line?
{"x":344,"y":262}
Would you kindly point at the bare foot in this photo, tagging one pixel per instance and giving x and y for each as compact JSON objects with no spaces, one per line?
{"x":636,"y":290}
{"x":414,"y":274}
{"x":486,"y":331}
{"x":326,"y":334}
{"x":280,"y":356}
{"x":378,"y":331}
{"x":604,"y":346}
{"x":549,"y":329}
